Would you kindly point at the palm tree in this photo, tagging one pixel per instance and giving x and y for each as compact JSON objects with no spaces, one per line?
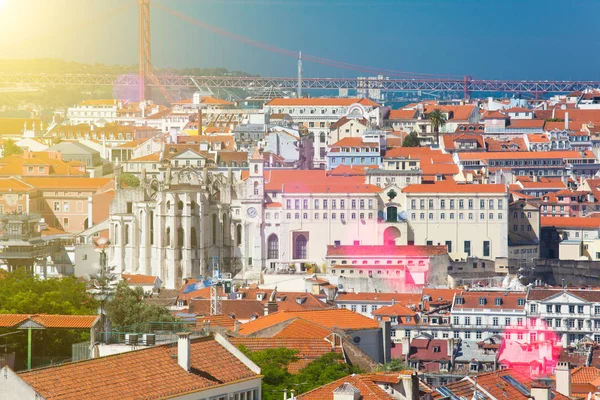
{"x":438,"y":120}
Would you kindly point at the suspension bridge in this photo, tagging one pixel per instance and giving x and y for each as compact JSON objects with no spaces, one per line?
{"x":390,"y":80}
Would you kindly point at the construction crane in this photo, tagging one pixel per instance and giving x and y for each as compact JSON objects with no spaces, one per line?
{"x":218,"y":281}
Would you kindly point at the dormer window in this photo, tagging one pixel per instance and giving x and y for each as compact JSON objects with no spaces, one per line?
{"x":521,"y":302}
{"x":260,"y":296}
{"x":436,"y":349}
{"x":482,"y":301}
{"x":498,"y":301}
{"x":460,"y":300}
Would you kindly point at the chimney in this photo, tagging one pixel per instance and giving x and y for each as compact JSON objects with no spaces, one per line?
{"x":566,"y":121}
{"x":411,"y":386}
{"x":270,"y":307}
{"x":563,"y":378}
{"x":540,"y":392}
{"x":236,"y":325}
{"x":183,"y":350}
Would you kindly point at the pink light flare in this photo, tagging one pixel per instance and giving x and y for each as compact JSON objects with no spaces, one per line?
{"x":531,"y":349}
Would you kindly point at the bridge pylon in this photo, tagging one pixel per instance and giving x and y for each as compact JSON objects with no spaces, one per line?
{"x":145,"y":65}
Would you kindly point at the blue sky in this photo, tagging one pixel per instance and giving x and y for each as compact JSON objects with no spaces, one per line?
{"x":494,"y":39}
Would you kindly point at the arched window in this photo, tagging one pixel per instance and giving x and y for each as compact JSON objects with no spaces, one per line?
{"x":180,"y":206}
{"x":214,"y":229}
{"x":168,"y":237}
{"x":238,"y":235}
{"x":300,"y":250}
{"x":256,"y":188}
{"x":193,"y":207}
{"x":116,"y":233}
{"x":322,"y":137}
{"x":225,"y":229}
{"x":273,"y":247}
{"x":256,"y":169}
{"x":151,"y":227}
{"x":180,"y":236}
{"x":126,"y":235}
{"x":194,"y":238}
{"x":168,"y":205}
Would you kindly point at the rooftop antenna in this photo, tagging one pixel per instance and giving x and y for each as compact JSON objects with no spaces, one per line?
{"x":299,"y":92}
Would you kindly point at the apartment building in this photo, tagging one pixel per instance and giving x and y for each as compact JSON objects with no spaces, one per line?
{"x":565,"y":315}
{"x":470,"y":220}
{"x":317,"y":115}
{"x":91,"y":111}
{"x":476,"y":315}
{"x":359,"y":151}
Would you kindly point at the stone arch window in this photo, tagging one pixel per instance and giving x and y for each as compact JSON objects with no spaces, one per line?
{"x":256,"y":188}
{"x":273,"y":247}
{"x":225,"y":229}
{"x":301,"y":245}
{"x":214,"y":229}
{"x":168,"y":237}
{"x":180,"y":236}
{"x":193,"y":207}
{"x":180,"y":205}
{"x":126,"y":236}
{"x":168,"y":205}
{"x":256,"y":169}
{"x":194,"y":238}
{"x":238,"y":234}
{"x":322,"y":137}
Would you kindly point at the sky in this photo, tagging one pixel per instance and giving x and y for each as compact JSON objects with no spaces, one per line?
{"x":486,"y":39}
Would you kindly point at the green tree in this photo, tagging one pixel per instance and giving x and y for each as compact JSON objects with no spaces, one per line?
{"x":127,"y":309}
{"x":11,"y":148}
{"x":24,"y":293}
{"x":395,"y":365}
{"x":437,"y":119}
{"x":411,"y":140}
{"x":129,"y":179}
{"x":323,"y":370}
{"x":274,"y":365}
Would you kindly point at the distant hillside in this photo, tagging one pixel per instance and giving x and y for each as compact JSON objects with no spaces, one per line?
{"x":56,"y":66}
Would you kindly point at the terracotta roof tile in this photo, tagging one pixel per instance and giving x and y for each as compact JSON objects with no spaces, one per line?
{"x":301,"y":328}
{"x":454,"y":187}
{"x":570,"y":222}
{"x":50,"y":321}
{"x":139,"y":279}
{"x":154,"y":370}
{"x":329,"y":318}
{"x":366,"y":384}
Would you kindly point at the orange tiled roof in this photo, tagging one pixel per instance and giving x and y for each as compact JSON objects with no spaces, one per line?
{"x":139,"y":279}
{"x":329,"y":318}
{"x":584,"y":374}
{"x":50,"y":321}
{"x":367,"y":384}
{"x":100,"y":102}
{"x":570,"y":222}
{"x":14,"y":185}
{"x":222,"y":321}
{"x":13,"y":165}
{"x":301,"y":328}
{"x":155,"y":370}
{"x":147,"y":158}
{"x":403,"y":114}
{"x":529,"y":155}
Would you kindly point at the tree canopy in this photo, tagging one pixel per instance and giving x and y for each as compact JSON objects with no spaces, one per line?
{"x":128,"y":310}
{"x":24,"y":293}
{"x":129,"y":179}
{"x":10,"y":148}
{"x":395,"y":365}
{"x":437,"y":119}
{"x":411,"y":140}
{"x":274,"y":365}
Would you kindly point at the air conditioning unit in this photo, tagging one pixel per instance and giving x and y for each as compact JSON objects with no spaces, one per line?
{"x":131,"y":339}
{"x":149,"y":339}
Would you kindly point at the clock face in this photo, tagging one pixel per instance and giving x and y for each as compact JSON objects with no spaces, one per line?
{"x":252,"y":212}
